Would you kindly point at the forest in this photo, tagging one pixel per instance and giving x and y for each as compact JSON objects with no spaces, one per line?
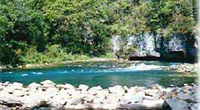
{"x":46,"y":31}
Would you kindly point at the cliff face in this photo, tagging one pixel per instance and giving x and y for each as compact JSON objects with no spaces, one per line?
{"x":151,"y":47}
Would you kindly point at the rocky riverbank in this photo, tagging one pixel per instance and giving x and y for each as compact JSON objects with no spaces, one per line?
{"x":50,"y":96}
{"x":183,"y":68}
{"x":30,"y":66}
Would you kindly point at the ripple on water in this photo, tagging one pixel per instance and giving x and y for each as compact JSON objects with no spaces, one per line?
{"x":37,"y":73}
{"x":63,"y":72}
{"x":141,"y":67}
{"x":24,"y":75}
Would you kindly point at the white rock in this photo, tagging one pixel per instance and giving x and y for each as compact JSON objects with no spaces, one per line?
{"x":74,"y":101}
{"x":126,"y":88}
{"x":113,"y":106}
{"x":60,"y":86}
{"x":153,"y":93}
{"x":95,"y":90}
{"x":1,"y":86}
{"x":69,"y":86}
{"x":19,"y":93}
{"x":158,"y":87}
{"x":75,"y":107}
{"x":135,"y":89}
{"x":2,"y":107}
{"x":8,"y":89}
{"x":69,"y":97}
{"x":83,"y":87}
{"x":17,"y":86}
{"x":30,"y":102}
{"x":195,"y":106}
{"x":117,"y":90}
{"x":99,"y":100}
{"x":185,"y":96}
{"x":34,"y":86}
{"x":112,"y":99}
{"x":51,"y":91}
{"x":48,"y":82}
{"x":134,"y":98}
{"x":57,"y":102}
{"x":127,"y":99}
{"x":153,"y":103}
{"x":141,"y":93}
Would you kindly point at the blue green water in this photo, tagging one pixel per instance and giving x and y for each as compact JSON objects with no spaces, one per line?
{"x":104,"y":74}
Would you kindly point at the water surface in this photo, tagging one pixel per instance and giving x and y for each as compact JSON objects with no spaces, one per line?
{"x":104,"y":74}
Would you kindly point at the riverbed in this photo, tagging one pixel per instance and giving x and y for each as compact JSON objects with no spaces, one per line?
{"x":105,"y":74}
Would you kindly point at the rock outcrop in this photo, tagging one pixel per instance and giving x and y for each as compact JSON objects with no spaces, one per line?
{"x":153,"y":47}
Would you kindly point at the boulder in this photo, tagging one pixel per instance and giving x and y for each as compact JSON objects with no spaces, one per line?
{"x":153,"y":104}
{"x":146,"y":105}
{"x":60,"y":86}
{"x":69,"y":86}
{"x":117,"y":90}
{"x":19,"y":93}
{"x":134,"y":99}
{"x":83,"y":87}
{"x":195,"y":106}
{"x":34,"y":86}
{"x":15,"y":86}
{"x":95,"y":90}
{"x":57,"y":102}
{"x":48,"y":83}
{"x":75,"y":107}
{"x":1,"y":86}
{"x":185,"y":96}
{"x":135,"y":89}
{"x":177,"y":104}
{"x":51,"y":91}
{"x":154,"y":93}
{"x":98,"y":100}
{"x":74,"y":101}
{"x":3,"y":107}
{"x":10,"y":102}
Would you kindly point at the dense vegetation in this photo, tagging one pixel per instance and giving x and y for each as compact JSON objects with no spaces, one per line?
{"x":39,"y":31}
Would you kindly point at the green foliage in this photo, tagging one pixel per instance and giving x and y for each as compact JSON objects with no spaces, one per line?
{"x":77,"y":25}
{"x":108,"y":55}
{"x":39,"y":31}
{"x":168,"y":17}
{"x":53,"y":54}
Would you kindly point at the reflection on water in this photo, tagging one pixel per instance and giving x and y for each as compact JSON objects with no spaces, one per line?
{"x":101,"y":73}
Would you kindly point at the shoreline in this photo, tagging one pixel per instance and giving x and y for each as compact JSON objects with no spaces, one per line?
{"x":46,"y":65}
{"x":49,"y":95}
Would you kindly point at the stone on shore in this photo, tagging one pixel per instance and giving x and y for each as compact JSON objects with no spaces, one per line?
{"x":48,"y":83}
{"x":83,"y":87}
{"x":177,"y":104}
{"x":117,"y":90}
{"x":34,"y":86}
{"x":48,"y":95}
